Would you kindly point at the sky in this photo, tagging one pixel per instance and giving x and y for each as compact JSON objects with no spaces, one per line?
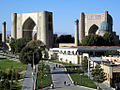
{"x":64,"y":11}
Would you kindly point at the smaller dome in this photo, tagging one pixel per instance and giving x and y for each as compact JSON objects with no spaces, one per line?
{"x":104,"y":26}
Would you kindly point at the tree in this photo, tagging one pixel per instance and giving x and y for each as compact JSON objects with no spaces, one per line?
{"x":92,"y":40}
{"x":36,"y":44}
{"x":108,"y":39}
{"x":112,"y":52}
{"x":18,"y":44}
{"x":84,"y":64}
{"x":33,"y":50}
{"x":12,"y":45}
{"x":65,"y":39}
{"x":98,"y":75}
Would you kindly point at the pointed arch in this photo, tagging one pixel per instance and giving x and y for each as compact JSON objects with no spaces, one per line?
{"x":93,"y":29}
{"x":27,"y":28}
{"x":35,"y":36}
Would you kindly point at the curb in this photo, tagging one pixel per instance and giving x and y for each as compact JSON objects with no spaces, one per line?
{"x":69,"y":76}
{"x":86,"y":87}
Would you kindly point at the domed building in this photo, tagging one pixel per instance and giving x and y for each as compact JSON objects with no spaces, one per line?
{"x":96,"y":24}
{"x":103,"y":28}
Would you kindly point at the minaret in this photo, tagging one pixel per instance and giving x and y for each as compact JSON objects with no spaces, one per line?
{"x":76,"y":32}
{"x":106,"y":16}
{"x":4,"y":32}
{"x":82,"y":26}
{"x":14,"y":25}
{"x":106,"y":19}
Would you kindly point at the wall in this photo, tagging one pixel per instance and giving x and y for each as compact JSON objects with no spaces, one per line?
{"x":74,"y":59}
{"x":91,"y":19}
{"x":43,"y":25}
{"x":61,"y":45}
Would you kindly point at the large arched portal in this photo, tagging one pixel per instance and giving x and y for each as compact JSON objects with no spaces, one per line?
{"x":93,"y":29}
{"x":28,"y":27}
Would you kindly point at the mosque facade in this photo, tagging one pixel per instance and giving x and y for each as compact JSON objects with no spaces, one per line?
{"x":96,"y":24}
{"x":35,"y":26}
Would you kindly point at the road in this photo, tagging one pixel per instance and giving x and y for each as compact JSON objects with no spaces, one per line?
{"x":59,"y":76}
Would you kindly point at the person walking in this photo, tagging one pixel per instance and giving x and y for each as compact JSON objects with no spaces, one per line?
{"x":64,"y":82}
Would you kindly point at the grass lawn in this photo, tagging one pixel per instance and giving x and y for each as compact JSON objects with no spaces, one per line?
{"x":80,"y":78}
{"x":58,"y":62}
{"x":83,"y":80}
{"x":43,"y":77}
{"x":7,"y":64}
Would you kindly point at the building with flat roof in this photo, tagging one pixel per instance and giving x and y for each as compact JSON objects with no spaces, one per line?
{"x":112,"y":70}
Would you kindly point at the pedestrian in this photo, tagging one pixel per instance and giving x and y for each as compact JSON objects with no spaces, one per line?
{"x":64,"y":82}
{"x":52,"y":86}
{"x":59,"y":66}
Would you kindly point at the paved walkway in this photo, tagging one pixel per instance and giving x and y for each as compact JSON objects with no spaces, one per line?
{"x":59,"y":76}
{"x":28,"y":79}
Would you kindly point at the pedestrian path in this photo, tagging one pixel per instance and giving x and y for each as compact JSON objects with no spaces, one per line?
{"x":59,"y":76}
{"x":28,"y":79}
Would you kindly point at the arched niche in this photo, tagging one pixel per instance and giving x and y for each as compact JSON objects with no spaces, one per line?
{"x":28,"y":27}
{"x":93,"y":29}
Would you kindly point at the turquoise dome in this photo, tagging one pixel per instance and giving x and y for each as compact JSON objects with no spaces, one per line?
{"x":104,"y":26}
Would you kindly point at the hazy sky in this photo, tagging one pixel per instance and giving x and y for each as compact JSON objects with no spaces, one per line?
{"x":64,"y":11}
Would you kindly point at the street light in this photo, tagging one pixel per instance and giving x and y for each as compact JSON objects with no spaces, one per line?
{"x":33,"y":61}
{"x":88,"y":68}
{"x":81,"y":78}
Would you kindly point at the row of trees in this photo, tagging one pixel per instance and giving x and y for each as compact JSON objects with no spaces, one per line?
{"x":28,"y":50}
{"x":91,"y":40}
{"x":95,"y":40}
{"x":65,"y":39}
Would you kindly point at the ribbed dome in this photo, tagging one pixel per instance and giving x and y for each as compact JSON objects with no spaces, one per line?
{"x":104,"y":26}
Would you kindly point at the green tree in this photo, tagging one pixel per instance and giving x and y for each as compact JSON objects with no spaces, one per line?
{"x":18,"y":44}
{"x":98,"y":75}
{"x":112,"y":52}
{"x":92,"y":40}
{"x":84,"y":64}
{"x":33,"y":50}
{"x":36,"y":44}
{"x":108,"y":39}
{"x":12,"y":45}
{"x":65,"y":39}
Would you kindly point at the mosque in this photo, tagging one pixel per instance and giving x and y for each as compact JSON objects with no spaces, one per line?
{"x":94,"y":24}
{"x":39,"y":26}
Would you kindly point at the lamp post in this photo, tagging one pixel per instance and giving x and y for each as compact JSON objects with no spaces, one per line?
{"x":33,"y":61}
{"x":81,"y":78}
{"x":88,"y":68}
